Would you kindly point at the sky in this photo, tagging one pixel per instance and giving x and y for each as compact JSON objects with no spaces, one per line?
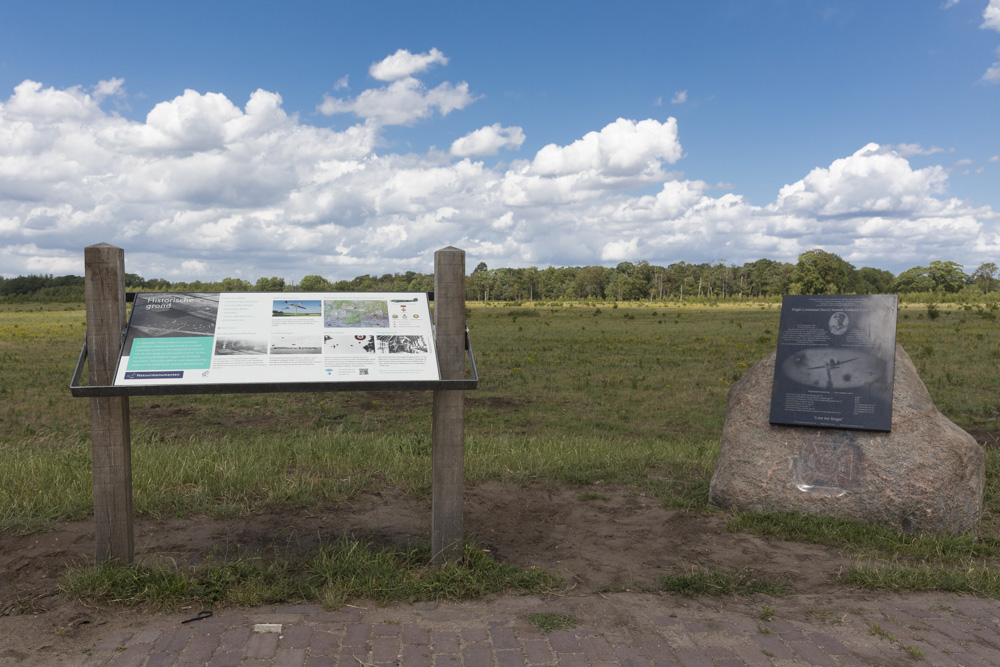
{"x":247,"y":139}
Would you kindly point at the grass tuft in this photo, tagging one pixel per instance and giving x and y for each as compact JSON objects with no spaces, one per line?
{"x":349,"y":569}
{"x":549,"y":621}
{"x":742,"y":583}
{"x":977,"y":578}
{"x":864,"y":539}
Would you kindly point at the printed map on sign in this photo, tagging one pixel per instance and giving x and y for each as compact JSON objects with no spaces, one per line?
{"x":353,"y":314}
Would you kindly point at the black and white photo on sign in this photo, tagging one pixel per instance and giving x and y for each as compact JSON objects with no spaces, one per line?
{"x":237,"y":345}
{"x":347,"y":344}
{"x":296,"y":344}
{"x":174,"y":315}
{"x":402,"y":344}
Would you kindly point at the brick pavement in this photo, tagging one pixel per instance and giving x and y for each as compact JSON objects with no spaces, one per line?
{"x":628,"y":629}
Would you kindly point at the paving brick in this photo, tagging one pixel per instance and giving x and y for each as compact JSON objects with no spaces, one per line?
{"x":503,"y":638}
{"x":385,"y":649}
{"x":147,"y":637}
{"x":416,"y":655}
{"x":571,"y":660}
{"x":510,"y":658}
{"x":693,"y":658}
{"x":813,"y":654}
{"x":631,"y":657}
{"x":341,"y":616}
{"x":654,"y":646}
{"x":133,"y":656}
{"x":295,"y":636}
{"x":357,"y":634}
{"x":828,"y":643}
{"x":773,"y":645}
{"x":200,"y":649}
{"x":477,"y":656}
{"x":323,"y":643}
{"x":162,"y":659}
{"x":717,"y":653}
{"x":261,"y":645}
{"x":299,"y":609}
{"x":787,"y":631}
{"x":473,"y":635}
{"x":174,"y":641}
{"x":226,"y":659}
{"x":537,"y":652}
{"x":112,"y":642}
{"x":691,"y":625}
{"x":564,"y":642}
{"x":666,"y":663}
{"x":990,"y":639}
{"x":751,"y":654}
{"x":447,"y":660}
{"x":444,"y":642}
{"x":352,"y":656}
{"x":290,"y":657}
{"x":414,"y":634}
{"x":596,"y":649}
{"x":387,"y":630}
{"x":970,"y":660}
{"x":234,"y":638}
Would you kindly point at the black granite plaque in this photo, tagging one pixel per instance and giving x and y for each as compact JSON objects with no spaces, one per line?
{"x":835,"y":362}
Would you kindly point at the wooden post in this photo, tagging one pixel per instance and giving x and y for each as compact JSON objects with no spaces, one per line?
{"x":448,"y":439}
{"x":109,"y":420}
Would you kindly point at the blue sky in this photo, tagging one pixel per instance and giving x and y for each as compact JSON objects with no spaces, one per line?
{"x":247,"y":139}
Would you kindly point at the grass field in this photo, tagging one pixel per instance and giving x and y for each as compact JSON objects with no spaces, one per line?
{"x":569,"y":394}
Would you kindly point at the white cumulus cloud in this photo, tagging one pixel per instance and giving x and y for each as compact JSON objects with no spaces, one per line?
{"x":207,"y":187}
{"x":487,"y":141}
{"x":403,"y":102}
{"x":991,"y":16}
{"x":403,"y":64}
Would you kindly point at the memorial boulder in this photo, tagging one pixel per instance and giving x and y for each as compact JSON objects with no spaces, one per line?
{"x":924,"y":475}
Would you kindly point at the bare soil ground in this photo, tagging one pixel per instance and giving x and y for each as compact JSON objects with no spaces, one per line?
{"x":623,"y":543}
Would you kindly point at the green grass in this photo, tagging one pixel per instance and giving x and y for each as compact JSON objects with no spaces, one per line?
{"x":570,"y":394}
{"x":335,"y":574}
{"x":702,"y":581}
{"x":979,"y":578}
{"x":864,"y":539}
{"x":550,"y":621}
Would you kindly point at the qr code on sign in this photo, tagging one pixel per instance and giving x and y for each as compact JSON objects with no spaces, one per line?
{"x":362,"y":371}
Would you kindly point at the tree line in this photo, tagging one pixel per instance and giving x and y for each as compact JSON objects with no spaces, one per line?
{"x":815,"y":272}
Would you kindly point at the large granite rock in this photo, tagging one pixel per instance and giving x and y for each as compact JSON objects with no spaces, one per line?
{"x":925,"y":475}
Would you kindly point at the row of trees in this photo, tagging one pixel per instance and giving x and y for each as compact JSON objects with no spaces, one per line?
{"x":816,"y":272}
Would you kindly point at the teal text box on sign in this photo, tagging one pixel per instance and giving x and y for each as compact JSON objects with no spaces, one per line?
{"x":170,"y":354}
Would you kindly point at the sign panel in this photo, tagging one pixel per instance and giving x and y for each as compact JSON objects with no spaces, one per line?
{"x":253,"y":337}
{"x":835,"y":362}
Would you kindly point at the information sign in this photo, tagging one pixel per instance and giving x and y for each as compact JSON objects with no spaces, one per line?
{"x":835,"y":362}
{"x":253,"y":337}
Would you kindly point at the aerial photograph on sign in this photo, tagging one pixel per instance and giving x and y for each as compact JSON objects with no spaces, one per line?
{"x":353,"y":314}
{"x":402,"y":344}
{"x":174,"y":315}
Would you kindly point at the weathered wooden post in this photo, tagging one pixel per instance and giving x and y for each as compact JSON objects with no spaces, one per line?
{"x":448,"y":429}
{"x":109,"y":419}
